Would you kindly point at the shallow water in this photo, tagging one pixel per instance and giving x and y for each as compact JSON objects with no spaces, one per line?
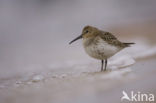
{"x":82,"y":81}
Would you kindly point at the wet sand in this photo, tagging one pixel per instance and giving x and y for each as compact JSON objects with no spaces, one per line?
{"x":83,"y":83}
{"x":80,"y":81}
{"x":38,"y":66}
{"x":88,"y":87}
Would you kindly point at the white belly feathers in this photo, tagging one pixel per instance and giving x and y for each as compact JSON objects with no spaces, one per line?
{"x":100,"y":50}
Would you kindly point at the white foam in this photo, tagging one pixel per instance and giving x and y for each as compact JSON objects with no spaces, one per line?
{"x":145,"y":53}
{"x":141,"y":49}
{"x":121,"y":61}
{"x":37,"y":78}
{"x":117,"y":74}
{"x":63,"y":75}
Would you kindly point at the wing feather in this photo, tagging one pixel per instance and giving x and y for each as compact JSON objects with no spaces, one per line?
{"x":111,"y":39}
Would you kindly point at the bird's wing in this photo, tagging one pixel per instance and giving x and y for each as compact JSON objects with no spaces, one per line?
{"x":111,"y":39}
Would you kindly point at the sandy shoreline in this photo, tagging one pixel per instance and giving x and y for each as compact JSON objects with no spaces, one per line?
{"x":86,"y":87}
{"x":79,"y":81}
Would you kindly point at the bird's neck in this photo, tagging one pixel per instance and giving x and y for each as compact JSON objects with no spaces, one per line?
{"x":88,"y":41}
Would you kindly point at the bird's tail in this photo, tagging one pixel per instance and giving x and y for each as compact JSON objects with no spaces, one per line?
{"x":128,"y":44}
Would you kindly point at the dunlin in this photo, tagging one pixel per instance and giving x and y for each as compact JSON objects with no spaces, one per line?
{"x":100,"y":44}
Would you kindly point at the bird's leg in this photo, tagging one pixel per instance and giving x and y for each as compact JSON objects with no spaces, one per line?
{"x":105,"y":64}
{"x":101,"y":65}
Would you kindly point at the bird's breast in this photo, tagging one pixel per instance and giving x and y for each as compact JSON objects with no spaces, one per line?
{"x":99,"y":48}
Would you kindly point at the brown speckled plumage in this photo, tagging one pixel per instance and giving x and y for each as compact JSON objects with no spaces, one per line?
{"x":111,"y":39}
{"x":100,"y":44}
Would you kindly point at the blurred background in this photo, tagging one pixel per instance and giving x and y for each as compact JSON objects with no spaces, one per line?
{"x":37,"y":32}
{"x":34,"y":35}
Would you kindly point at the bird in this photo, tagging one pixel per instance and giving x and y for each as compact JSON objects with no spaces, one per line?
{"x":100,"y":44}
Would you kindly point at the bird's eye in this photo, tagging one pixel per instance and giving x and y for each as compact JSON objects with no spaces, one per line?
{"x":87,"y":31}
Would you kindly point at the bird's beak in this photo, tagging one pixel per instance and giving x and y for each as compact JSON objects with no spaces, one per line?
{"x":79,"y":37}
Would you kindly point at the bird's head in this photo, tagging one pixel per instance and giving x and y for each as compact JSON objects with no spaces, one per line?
{"x":87,"y":32}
